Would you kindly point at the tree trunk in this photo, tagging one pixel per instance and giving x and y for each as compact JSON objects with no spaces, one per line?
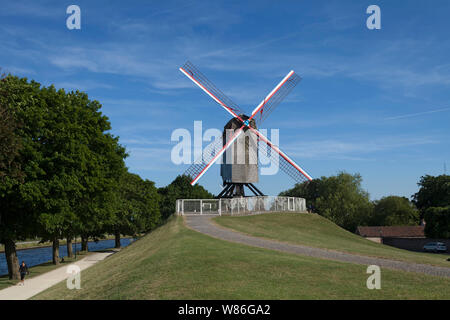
{"x":69,"y":248}
{"x":11,"y":260}
{"x":55,"y":251}
{"x":117,"y":239}
{"x":84,"y":244}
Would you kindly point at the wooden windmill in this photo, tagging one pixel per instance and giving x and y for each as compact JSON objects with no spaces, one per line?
{"x":240,"y":143}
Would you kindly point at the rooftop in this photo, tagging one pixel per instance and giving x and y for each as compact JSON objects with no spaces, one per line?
{"x":392,"y":231}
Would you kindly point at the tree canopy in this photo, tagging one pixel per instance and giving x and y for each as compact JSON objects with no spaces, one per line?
{"x":136,"y":207}
{"x":437,"y":222}
{"x":433,"y":201}
{"x":339,"y":198}
{"x":433,"y":192}
{"x":394,"y":211}
{"x":180,"y":188}
{"x":61,"y":170}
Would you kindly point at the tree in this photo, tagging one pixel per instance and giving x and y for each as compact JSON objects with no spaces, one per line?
{"x":137,"y":207}
{"x":394,"y":211}
{"x":11,"y":176}
{"x":433,"y":192}
{"x":310,"y":191}
{"x":18,"y":196}
{"x":437,"y":222}
{"x":98,"y":172}
{"x":180,"y":188}
{"x":72,"y":165}
{"x":339,"y":198}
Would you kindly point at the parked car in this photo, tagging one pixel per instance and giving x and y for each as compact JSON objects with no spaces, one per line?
{"x":435,"y":247}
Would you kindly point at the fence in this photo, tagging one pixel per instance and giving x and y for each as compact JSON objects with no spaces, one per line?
{"x":240,"y":206}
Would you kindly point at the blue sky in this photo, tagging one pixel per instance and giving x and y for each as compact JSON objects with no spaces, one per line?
{"x":376,"y":102}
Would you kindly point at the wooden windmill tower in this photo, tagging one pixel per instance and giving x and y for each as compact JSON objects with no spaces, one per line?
{"x":241,"y":139}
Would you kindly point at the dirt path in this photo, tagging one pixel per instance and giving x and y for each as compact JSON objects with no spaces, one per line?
{"x":38,"y":284}
{"x":204,"y":225}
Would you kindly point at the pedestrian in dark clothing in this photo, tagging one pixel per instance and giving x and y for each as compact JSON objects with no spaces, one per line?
{"x":23,"y":269}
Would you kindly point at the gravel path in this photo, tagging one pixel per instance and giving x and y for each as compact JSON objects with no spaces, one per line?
{"x":204,"y":225}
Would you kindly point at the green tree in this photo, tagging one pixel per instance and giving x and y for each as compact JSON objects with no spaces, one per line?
{"x":98,"y":172}
{"x":433,"y":192}
{"x":137,"y":207}
{"x":310,"y":191}
{"x":180,"y":188}
{"x":71,"y":164}
{"x":437,"y":222}
{"x":20,"y":200}
{"x":11,"y":176}
{"x":394,"y":211}
{"x":339,"y":198}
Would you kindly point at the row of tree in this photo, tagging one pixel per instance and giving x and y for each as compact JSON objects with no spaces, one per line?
{"x":62,"y":174}
{"x":342,"y":199}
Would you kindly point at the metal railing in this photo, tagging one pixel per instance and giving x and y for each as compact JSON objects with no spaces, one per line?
{"x":240,"y":206}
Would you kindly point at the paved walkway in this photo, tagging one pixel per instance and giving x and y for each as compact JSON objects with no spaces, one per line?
{"x":38,"y":284}
{"x":204,"y":225}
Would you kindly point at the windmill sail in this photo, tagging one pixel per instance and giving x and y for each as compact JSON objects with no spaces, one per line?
{"x":209,"y":156}
{"x":206,"y":85}
{"x":212,"y":153}
{"x":284,"y":163}
{"x":273,"y":99}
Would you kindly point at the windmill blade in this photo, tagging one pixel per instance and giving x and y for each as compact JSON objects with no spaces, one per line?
{"x":210,"y":155}
{"x":274,"y":98}
{"x":286,"y":164}
{"x":206,"y":85}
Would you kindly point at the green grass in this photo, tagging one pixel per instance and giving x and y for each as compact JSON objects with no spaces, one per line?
{"x":316,"y":231}
{"x":175,"y":262}
{"x":38,"y":270}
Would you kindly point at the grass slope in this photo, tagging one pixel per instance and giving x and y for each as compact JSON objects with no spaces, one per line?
{"x":174,"y":262}
{"x":316,"y":231}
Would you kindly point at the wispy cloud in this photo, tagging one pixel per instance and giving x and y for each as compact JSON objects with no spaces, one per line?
{"x":44,"y":9}
{"x":83,"y":85}
{"x":18,"y":70}
{"x":352,"y":149}
{"x":411,"y":115}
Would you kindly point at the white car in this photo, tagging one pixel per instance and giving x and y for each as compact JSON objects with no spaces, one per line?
{"x":435,"y":247}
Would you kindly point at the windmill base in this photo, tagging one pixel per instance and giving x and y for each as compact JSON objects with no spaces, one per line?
{"x":233,"y":190}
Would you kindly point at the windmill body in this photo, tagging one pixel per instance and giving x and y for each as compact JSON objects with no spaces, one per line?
{"x":239,"y":166}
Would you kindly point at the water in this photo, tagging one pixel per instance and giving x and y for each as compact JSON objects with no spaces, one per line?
{"x":37,"y":256}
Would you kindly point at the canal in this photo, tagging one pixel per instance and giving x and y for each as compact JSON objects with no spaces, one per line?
{"x":35,"y":256}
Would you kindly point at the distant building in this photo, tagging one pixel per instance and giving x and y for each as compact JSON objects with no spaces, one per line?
{"x":378,"y":234}
{"x":403,"y":237}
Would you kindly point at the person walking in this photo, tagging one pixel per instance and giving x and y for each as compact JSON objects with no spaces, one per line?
{"x":23,"y":269}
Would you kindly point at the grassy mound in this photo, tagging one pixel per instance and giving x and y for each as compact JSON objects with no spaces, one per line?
{"x":316,"y":231}
{"x":174,"y":262}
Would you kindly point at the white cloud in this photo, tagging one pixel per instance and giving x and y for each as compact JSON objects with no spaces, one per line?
{"x":348,"y":149}
{"x":411,"y":115}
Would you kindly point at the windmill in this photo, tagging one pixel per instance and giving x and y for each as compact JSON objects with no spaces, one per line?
{"x":236,"y":176}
